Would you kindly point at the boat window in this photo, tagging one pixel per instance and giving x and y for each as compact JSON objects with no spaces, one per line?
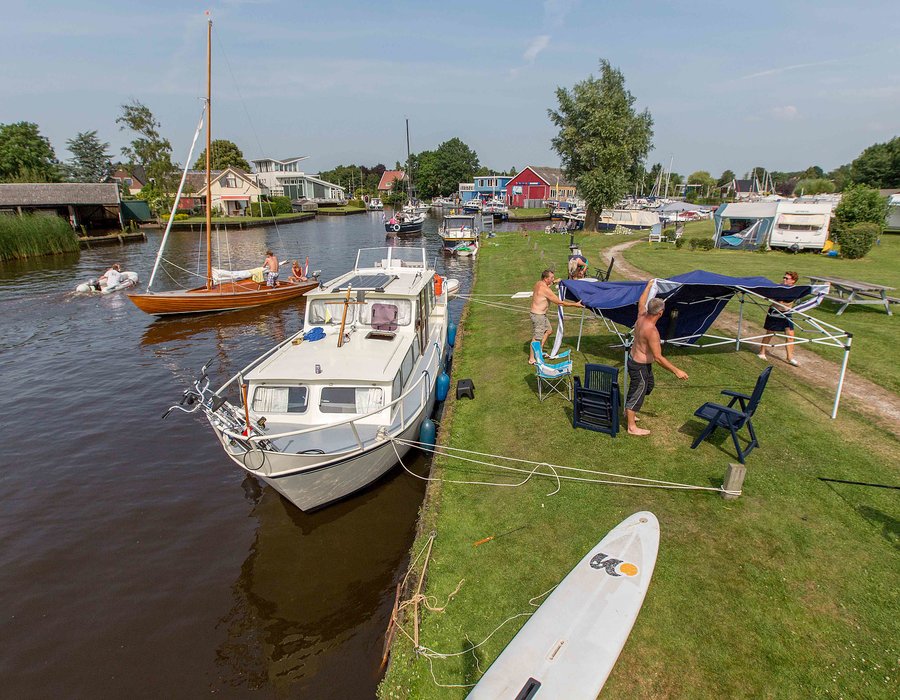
{"x":415,"y":352}
{"x":397,"y":387}
{"x":351,"y":399}
{"x":386,"y":314}
{"x":280,"y":399}
{"x":406,"y":367}
{"x":329,"y":312}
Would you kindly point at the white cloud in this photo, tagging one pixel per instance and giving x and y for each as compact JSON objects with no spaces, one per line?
{"x":538,"y":44}
{"x":786,"y":113}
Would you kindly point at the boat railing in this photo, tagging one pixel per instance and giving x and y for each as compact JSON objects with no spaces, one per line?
{"x":388,"y":258}
{"x":421,"y":385}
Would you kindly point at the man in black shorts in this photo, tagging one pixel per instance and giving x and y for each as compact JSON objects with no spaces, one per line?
{"x":778,"y":321}
{"x":645,"y":350}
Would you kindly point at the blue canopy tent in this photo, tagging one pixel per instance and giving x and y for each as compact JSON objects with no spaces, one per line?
{"x":693,"y":302}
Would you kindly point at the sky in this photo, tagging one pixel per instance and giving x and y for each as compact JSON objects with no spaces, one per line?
{"x":783,"y":85}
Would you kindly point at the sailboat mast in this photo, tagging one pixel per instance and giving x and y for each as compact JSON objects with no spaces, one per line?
{"x":209,"y":282}
{"x":409,"y":187}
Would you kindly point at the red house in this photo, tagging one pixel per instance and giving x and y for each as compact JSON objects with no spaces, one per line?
{"x":534,"y":185}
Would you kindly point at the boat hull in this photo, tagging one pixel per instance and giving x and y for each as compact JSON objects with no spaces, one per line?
{"x":311,"y":482}
{"x":398,"y":229}
{"x":243,"y":294}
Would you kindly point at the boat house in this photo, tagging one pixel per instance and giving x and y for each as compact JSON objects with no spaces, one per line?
{"x":88,"y":205}
{"x":283,"y":178}
{"x":535,"y":185}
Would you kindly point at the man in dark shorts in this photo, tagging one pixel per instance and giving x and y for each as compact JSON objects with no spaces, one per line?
{"x":778,"y":321}
{"x":645,"y":350}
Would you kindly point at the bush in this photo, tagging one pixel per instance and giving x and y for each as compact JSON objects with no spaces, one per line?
{"x":356,"y":204}
{"x":860,"y":203}
{"x":857,"y":240}
{"x":181,"y":216}
{"x":679,"y":243}
{"x":693,"y":243}
{"x":705,"y":244}
{"x":32,"y":235}
{"x":271,"y":207}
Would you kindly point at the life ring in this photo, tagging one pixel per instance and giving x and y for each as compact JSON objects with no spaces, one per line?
{"x":395,"y":228}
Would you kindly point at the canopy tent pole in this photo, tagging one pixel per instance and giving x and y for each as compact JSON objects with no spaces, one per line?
{"x":580,"y":328}
{"x":740,"y":321}
{"x":840,"y":386}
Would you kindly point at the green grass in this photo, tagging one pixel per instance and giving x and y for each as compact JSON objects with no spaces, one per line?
{"x":31,"y":236}
{"x":341,"y":210}
{"x":875,"y":334}
{"x":523,"y":213}
{"x":789,"y":591}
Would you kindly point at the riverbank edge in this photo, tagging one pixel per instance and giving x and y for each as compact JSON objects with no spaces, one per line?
{"x":242,"y":222}
{"x":342,"y":212}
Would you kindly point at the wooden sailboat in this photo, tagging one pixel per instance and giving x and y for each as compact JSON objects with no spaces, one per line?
{"x":214,"y":295}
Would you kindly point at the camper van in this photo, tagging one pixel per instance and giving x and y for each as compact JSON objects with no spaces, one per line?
{"x":779,"y":224}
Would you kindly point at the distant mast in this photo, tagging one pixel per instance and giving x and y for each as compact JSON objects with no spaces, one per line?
{"x":409,"y":187}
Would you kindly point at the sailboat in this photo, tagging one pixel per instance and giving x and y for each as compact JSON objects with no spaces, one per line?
{"x":409,"y":220}
{"x":224,"y":290}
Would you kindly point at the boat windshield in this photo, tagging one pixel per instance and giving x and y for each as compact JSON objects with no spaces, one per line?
{"x":390,"y":257}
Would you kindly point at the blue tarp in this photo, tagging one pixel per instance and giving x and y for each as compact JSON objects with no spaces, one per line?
{"x":693,"y":300}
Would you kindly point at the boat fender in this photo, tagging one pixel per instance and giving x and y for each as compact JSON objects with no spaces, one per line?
{"x":395,"y":228}
{"x":427,"y":432}
{"x":438,"y":284}
{"x":451,"y":334}
{"x":443,"y":386}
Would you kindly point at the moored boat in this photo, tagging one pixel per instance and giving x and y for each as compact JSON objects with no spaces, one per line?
{"x":375,"y":204}
{"x":459,"y":234}
{"x":404,"y":223}
{"x":315,"y":416}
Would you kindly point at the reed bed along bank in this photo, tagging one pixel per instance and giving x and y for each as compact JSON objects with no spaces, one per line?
{"x":30,"y":236}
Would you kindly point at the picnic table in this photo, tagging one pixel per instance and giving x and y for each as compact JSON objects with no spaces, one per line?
{"x":846,"y":292}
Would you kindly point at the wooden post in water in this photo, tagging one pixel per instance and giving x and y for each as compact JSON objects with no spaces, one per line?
{"x":734,"y":480}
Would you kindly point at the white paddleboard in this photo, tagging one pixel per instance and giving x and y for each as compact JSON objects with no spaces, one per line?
{"x":568,"y":648}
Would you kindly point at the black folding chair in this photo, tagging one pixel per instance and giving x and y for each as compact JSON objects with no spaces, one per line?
{"x":604,"y":276}
{"x":719,"y":416}
{"x":596,"y":403}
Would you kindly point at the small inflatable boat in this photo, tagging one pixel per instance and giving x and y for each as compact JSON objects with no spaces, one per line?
{"x":127,"y":280}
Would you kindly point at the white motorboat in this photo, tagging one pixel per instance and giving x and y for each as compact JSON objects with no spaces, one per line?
{"x":315,"y":416}
{"x":375,"y":204}
{"x":127,"y":280}
{"x":459,"y":234}
{"x":495,"y":208}
{"x":473,"y":206}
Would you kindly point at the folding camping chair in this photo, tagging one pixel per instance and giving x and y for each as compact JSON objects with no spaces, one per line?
{"x":554,"y":376}
{"x":596,"y":404}
{"x":604,"y":276}
{"x":720,"y":416}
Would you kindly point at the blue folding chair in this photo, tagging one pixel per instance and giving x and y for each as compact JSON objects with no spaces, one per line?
{"x":555,"y":376}
{"x":596,"y":403}
{"x":729,"y":417}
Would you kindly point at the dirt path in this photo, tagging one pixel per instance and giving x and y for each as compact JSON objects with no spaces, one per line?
{"x":863,"y":395}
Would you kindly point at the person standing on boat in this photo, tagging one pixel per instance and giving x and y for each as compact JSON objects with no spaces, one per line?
{"x":645,"y":350}
{"x":111,"y":277}
{"x":541,"y":297}
{"x":270,"y":267}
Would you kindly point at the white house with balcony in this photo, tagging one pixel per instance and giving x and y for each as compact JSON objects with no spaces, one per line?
{"x":284,"y":178}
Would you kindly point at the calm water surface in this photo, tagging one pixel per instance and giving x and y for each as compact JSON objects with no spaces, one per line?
{"x":135,"y":559}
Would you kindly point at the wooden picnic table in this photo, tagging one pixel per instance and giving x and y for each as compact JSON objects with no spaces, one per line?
{"x":846,"y":292}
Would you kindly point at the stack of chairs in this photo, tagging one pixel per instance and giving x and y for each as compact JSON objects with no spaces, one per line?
{"x":596,"y":403}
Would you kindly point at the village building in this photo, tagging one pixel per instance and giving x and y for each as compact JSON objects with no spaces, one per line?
{"x":466,"y":191}
{"x":284,"y":178}
{"x":534,"y":186}
{"x":388,"y":178}
{"x":86,"y":205}
{"x":232,"y":191}
{"x":133,"y":178}
{"x":491,"y":186}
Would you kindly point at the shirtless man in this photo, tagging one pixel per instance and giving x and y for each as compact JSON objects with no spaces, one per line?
{"x":645,"y":350}
{"x":541,"y":297}
{"x":270,"y":267}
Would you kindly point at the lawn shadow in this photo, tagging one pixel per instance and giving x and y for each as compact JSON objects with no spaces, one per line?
{"x":473,"y":661}
{"x":890,"y":526}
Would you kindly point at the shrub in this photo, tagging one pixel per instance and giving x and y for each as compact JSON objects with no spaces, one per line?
{"x":356,"y":204}
{"x":857,"y":240}
{"x":679,"y":243}
{"x":860,"y":203}
{"x":181,"y":216}
{"x":705,"y":244}
{"x":693,"y":243}
{"x":271,"y":207}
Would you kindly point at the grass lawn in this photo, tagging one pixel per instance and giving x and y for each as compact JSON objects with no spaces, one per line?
{"x":341,"y":210}
{"x":789,"y":591}
{"x":523,"y":213}
{"x":875,"y":334}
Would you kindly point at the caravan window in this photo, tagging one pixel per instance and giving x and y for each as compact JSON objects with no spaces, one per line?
{"x":280,"y":399}
{"x":351,"y":399}
{"x":329,"y":312}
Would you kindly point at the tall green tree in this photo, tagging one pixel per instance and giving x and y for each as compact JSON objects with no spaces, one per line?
{"x":225,"y":154}
{"x":602,"y":141}
{"x":725,"y":178}
{"x":148,"y":148}
{"x":860,"y":203}
{"x":26,"y":155}
{"x":90,"y":161}
{"x":879,"y":165}
{"x":439,"y":172}
{"x":813,"y":185}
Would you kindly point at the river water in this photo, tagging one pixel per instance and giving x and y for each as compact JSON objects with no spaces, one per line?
{"x":135,"y":559}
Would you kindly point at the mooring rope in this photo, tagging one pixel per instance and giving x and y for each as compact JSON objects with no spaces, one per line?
{"x":623,"y":479}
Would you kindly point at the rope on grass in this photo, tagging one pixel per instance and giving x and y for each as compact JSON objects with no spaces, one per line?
{"x":554,"y":471}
